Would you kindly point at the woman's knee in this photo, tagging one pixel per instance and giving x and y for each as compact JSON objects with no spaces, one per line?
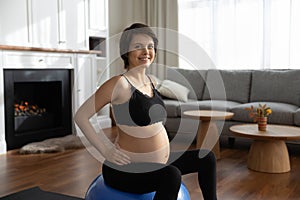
{"x":207,"y":157}
{"x":171,"y":176}
{"x":168,"y":184}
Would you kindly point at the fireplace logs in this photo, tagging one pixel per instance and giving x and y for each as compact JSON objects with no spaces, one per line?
{"x":25,"y":109}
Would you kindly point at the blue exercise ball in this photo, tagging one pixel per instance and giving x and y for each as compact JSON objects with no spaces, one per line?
{"x":98,"y":190}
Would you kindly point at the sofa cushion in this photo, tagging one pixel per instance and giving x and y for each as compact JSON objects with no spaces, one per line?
{"x":173,"y":107}
{"x":278,"y":86}
{"x":282,"y":113}
{"x":173,"y":90}
{"x":194,"y":80}
{"x":231,"y":85}
{"x":297,"y":117}
{"x":208,"y":105}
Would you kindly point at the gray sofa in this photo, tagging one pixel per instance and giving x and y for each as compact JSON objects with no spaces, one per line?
{"x":233,"y":91}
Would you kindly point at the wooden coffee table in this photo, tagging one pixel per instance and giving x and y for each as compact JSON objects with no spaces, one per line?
{"x":208,"y":134}
{"x":268,"y":152}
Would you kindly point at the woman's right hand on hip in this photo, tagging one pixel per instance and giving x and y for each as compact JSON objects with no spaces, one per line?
{"x":115,"y":155}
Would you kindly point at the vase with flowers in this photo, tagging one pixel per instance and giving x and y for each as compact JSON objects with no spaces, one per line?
{"x":260,"y":115}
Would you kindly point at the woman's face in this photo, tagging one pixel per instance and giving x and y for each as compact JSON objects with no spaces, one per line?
{"x":141,"y":51}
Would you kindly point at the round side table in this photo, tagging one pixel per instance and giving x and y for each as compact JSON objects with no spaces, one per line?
{"x":268,"y":153}
{"x":208,"y":134}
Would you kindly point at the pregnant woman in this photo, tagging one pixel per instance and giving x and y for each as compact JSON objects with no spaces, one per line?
{"x":140,"y":161}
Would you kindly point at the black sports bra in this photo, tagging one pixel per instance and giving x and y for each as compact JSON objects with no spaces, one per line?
{"x":140,"y":109}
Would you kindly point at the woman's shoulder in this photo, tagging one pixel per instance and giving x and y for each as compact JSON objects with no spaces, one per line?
{"x":156,"y":81}
{"x":116,"y":81}
{"x":117,"y":87}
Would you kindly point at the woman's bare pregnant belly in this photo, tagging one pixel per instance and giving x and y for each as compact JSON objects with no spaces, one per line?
{"x":151,"y":149}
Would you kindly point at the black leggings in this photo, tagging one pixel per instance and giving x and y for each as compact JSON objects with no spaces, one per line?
{"x":165,"y":179}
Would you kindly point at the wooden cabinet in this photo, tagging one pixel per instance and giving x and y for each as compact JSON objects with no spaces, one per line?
{"x":90,"y":73}
{"x":102,"y":70}
{"x":85,"y":78}
{"x":58,"y":24}
{"x":72,"y":25}
{"x":43,"y":17}
{"x":63,"y":24}
{"x":97,"y":17}
{"x":85,"y":84}
{"x":14,"y":29}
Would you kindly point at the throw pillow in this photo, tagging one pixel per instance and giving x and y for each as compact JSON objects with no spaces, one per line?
{"x":173,"y":90}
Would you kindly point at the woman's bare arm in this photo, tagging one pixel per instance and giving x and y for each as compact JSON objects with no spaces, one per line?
{"x":103,"y":96}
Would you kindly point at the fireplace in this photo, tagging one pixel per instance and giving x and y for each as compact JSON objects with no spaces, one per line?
{"x":37,"y":105}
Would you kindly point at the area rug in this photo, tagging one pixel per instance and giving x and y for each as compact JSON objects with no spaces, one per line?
{"x":52,"y":145}
{"x":36,"y":193}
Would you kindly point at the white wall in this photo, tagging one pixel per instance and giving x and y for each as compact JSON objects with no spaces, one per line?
{"x":121,"y":15}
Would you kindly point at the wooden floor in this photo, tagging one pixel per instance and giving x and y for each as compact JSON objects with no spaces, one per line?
{"x":72,"y":171}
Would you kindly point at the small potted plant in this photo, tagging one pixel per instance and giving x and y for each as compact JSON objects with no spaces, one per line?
{"x":260,"y":115}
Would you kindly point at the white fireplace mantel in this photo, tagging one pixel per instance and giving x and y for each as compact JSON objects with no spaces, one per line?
{"x":82,"y":64}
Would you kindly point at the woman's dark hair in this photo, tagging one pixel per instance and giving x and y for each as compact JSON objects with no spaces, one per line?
{"x":127,"y":35}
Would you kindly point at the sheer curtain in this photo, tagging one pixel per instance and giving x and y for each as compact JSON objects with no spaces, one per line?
{"x":161,"y":16}
{"x":243,"y":34}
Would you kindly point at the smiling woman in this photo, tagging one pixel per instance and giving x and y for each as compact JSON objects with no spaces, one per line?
{"x":141,"y":50}
{"x":140,"y":161}
{"x":131,"y":40}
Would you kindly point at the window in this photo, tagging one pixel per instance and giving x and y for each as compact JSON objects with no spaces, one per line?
{"x":243,"y":34}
